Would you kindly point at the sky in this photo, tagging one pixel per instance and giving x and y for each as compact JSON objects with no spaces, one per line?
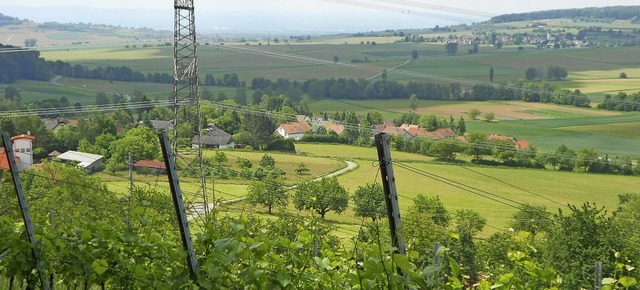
{"x":279,"y":15}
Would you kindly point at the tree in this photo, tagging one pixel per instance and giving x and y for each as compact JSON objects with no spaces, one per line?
{"x":556,"y":72}
{"x":578,"y":239}
{"x":220,"y":157}
{"x":478,"y":145}
{"x":413,"y":102}
{"x":585,"y":157}
{"x":30,"y":42}
{"x":322,"y":196}
{"x":531,"y":218}
{"x":566,"y":158}
{"x":301,"y":168}
{"x":445,"y":150}
{"x":142,"y":142}
{"x":336,"y":59}
{"x":260,"y":128}
{"x":451,"y":48}
{"x":462,"y":126}
{"x":414,"y":54}
{"x":531,"y":74}
{"x":623,"y":75}
{"x":425,"y":223}
{"x":489,"y":117}
{"x":491,"y":72}
{"x":267,"y":161}
{"x":474,"y":114}
{"x":269,"y":192}
{"x":369,"y":201}
{"x":468,"y":224}
{"x":244,"y":163}
{"x":102,"y":99}
{"x":11,"y":93}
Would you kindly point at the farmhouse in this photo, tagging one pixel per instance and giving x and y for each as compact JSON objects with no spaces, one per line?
{"x":519,"y":144}
{"x":89,"y":162}
{"x":214,"y":138}
{"x":293,"y":130}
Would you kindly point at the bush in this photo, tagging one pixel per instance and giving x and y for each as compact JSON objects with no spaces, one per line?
{"x":623,"y":75}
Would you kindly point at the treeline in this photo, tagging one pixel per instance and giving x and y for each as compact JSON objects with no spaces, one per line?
{"x":612,"y":12}
{"x":8,"y":20}
{"x":384,"y":89}
{"x":621,"y":102}
{"x":17,"y":63}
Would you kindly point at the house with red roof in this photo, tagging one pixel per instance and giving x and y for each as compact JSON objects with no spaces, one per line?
{"x":293,"y":130}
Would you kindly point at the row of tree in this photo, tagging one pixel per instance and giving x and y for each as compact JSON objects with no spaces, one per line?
{"x":505,"y":153}
{"x":621,"y":102}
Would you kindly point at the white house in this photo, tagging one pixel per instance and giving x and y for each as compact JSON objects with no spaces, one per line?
{"x":87,"y":161}
{"x":293,"y":130}
{"x":23,"y":149}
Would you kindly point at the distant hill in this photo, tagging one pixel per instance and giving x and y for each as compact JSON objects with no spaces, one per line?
{"x":8,"y":20}
{"x":611,"y":12}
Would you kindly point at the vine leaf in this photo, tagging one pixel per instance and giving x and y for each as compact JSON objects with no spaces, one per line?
{"x":100,"y":266}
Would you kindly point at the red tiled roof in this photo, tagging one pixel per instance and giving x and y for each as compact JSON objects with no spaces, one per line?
{"x":23,"y":136}
{"x":296,"y":127}
{"x":150,"y":164}
{"x":4,"y":161}
{"x":522,"y":144}
{"x":338,"y":128}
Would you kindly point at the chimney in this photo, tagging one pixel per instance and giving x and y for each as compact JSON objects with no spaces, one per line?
{"x":29,"y":133}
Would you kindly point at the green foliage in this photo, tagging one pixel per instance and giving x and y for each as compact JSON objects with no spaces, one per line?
{"x":556,"y":72}
{"x":267,"y":161}
{"x":369,"y":201}
{"x":301,"y":168}
{"x":269,"y":192}
{"x":474,"y":114}
{"x":244,"y":163}
{"x":489,"y":117}
{"x":220,"y":157}
{"x":321,"y":196}
{"x":451,"y":48}
{"x":584,"y":235}
{"x":141,"y":142}
{"x":445,"y":150}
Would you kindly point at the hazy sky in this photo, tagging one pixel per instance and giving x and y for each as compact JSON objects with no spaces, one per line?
{"x":294,"y":15}
{"x":489,"y":6}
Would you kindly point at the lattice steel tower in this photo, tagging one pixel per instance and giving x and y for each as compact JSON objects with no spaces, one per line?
{"x":185,"y":86}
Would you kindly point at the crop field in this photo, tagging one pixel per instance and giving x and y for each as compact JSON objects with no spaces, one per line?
{"x":34,"y":91}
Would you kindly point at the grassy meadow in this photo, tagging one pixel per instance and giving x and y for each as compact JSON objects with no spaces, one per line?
{"x":494,"y":192}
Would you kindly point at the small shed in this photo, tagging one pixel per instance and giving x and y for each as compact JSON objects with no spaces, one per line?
{"x":149,"y":166}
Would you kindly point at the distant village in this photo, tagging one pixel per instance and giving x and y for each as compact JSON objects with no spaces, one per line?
{"x":214,"y":137}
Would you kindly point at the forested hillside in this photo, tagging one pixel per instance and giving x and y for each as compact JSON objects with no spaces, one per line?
{"x":611,"y":12}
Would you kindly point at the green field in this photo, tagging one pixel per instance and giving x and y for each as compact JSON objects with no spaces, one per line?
{"x":549,"y":188}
